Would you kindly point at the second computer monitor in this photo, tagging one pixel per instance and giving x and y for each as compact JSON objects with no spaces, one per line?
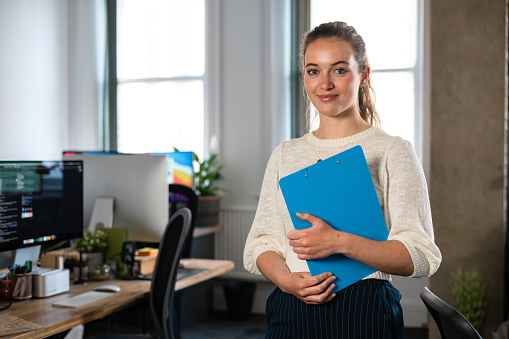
{"x":138,"y":184}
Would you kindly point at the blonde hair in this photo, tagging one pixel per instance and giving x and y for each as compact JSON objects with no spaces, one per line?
{"x":341,"y":31}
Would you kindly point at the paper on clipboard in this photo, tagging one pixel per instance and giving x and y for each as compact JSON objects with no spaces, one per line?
{"x":340,"y":191}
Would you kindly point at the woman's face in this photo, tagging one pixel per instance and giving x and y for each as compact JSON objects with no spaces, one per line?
{"x":332,"y":77}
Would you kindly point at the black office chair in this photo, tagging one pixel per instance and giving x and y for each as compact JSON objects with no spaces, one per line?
{"x":183,"y":196}
{"x":450,"y":322}
{"x":162,"y":289}
{"x":179,"y":196}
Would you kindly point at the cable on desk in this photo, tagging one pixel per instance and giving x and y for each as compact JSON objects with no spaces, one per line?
{"x":8,"y":300}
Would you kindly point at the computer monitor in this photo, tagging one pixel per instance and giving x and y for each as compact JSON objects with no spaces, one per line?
{"x":180,"y":168}
{"x":66,"y":153}
{"x":40,"y":202}
{"x":180,"y":164}
{"x":138,"y":184}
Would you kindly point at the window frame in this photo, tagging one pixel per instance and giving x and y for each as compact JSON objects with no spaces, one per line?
{"x":210,"y":77}
{"x":301,"y":12}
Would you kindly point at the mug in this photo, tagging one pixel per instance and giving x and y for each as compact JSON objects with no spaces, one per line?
{"x":22,"y":286}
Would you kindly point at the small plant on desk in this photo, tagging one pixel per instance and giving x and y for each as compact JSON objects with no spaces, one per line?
{"x":92,"y":242}
{"x":91,"y":248}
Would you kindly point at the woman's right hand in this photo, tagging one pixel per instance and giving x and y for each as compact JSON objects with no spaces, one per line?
{"x":313,"y":290}
{"x":310,"y":289}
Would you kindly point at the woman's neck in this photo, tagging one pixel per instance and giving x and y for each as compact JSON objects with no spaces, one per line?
{"x":339,"y":128}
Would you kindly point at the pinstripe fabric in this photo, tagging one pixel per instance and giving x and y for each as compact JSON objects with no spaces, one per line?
{"x":367,"y":309}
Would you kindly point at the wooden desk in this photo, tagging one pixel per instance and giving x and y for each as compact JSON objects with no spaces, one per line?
{"x":58,"y":319}
{"x":201,"y":231}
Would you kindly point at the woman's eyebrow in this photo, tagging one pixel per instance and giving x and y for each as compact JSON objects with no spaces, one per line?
{"x":334,"y":64}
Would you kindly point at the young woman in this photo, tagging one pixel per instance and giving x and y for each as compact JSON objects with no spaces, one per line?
{"x":336,"y":77}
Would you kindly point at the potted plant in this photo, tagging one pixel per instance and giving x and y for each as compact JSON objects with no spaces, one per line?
{"x":75,"y":266}
{"x":93,"y":245}
{"x":206,"y":180}
{"x":469,"y":290}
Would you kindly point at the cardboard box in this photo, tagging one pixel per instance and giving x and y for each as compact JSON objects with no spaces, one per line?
{"x":52,"y":259}
{"x":144,"y":264}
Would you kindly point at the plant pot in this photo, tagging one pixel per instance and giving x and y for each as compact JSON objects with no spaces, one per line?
{"x":93,"y":259}
{"x":239,"y":299}
{"x":84,"y":272}
{"x":208,"y":210}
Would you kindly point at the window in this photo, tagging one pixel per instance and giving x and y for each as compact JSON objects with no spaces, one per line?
{"x":391,"y":31}
{"x":161,"y":75}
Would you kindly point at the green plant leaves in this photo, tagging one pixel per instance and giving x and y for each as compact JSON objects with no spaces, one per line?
{"x":469,"y":290}
{"x":92,"y":242}
{"x":207,"y":175}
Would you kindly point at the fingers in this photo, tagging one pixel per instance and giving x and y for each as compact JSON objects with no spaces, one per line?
{"x":297,"y":234}
{"x":306,"y":217}
{"x":325,"y":285}
{"x":316,"y":289}
{"x":318,"y":241}
{"x":305,"y":256}
{"x":324,"y":296}
{"x":293,"y":235}
{"x":305,"y":253}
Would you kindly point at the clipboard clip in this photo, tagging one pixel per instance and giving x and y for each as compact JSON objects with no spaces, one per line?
{"x":334,"y":157}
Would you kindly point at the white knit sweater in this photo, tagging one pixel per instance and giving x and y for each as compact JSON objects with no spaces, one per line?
{"x":399,"y":182}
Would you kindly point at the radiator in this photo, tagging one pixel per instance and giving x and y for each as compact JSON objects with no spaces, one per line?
{"x":229,"y":243}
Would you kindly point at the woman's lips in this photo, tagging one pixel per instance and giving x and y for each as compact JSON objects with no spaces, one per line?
{"x":327,"y":98}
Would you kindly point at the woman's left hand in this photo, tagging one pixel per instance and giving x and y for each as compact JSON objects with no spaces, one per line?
{"x":318,"y":241}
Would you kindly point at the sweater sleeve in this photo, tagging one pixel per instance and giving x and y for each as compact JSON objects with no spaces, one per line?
{"x":267,"y":232}
{"x":408,"y":210}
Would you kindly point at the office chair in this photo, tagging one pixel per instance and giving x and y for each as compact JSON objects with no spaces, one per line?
{"x":183,"y":196}
{"x":162,"y":289}
{"x":450,"y":322}
{"x":179,"y":196}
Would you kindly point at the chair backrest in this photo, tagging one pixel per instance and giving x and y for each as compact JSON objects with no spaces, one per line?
{"x":162,"y":290}
{"x":451,"y":323}
{"x":183,"y":196}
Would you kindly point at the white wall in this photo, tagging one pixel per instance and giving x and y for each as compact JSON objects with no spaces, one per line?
{"x":48,"y":79}
{"x":254,"y":112}
{"x":243,"y":101}
{"x":34,"y":78}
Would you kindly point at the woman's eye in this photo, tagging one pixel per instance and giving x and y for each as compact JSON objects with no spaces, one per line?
{"x":312,"y":72}
{"x":340,"y":71}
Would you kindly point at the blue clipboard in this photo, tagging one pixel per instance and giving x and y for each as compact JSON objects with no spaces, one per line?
{"x":340,"y":191}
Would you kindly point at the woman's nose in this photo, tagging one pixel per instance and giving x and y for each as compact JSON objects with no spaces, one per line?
{"x":326,"y":82}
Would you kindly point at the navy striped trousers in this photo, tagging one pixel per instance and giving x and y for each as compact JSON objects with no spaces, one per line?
{"x":367,"y":309}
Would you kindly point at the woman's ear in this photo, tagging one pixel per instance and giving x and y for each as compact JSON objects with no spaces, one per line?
{"x":365,"y":74}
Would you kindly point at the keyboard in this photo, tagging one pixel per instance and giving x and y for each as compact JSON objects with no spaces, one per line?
{"x":187,"y":272}
{"x":82,"y":299}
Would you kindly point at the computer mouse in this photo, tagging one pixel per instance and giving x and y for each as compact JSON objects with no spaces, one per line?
{"x":107,"y":288}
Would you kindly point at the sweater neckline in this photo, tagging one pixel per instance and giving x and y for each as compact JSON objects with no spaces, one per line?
{"x":341,"y":141}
